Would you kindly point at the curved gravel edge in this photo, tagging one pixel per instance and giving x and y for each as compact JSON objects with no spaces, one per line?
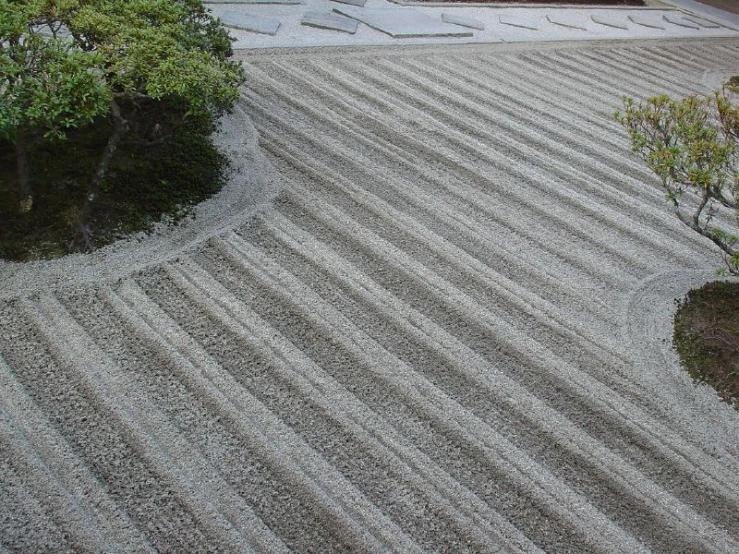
{"x":251,"y":185}
{"x":650,"y":312}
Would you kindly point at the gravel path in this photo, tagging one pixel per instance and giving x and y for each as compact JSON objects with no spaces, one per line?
{"x":430,"y":313}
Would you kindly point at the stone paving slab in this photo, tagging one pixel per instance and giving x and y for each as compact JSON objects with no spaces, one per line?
{"x":680,"y":21}
{"x":329,"y":21}
{"x":359,"y":3}
{"x":251,"y":23}
{"x":566,"y":21}
{"x":507,"y":25}
{"x":610,"y":21}
{"x":646,"y":21}
{"x":531,"y":23}
{"x":403,"y":23}
{"x":705,"y":23}
{"x":728,"y":19}
{"x":463,"y":21}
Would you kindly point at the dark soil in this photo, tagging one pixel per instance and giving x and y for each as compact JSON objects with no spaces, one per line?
{"x":553,"y":2}
{"x":165,"y":165}
{"x":707,"y":337}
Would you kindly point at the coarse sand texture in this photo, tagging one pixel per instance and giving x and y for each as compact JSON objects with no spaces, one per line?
{"x":431,"y":313}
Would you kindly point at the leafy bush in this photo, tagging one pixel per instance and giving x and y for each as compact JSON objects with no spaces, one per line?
{"x":692,"y":144}
{"x":66,"y":63}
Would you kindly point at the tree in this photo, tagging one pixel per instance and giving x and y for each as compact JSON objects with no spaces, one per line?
{"x":692,"y":144}
{"x":47,"y":84}
{"x":133,"y":51}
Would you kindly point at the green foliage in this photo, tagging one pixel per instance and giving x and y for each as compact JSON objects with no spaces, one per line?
{"x":66,"y":63}
{"x":158,"y":49}
{"x":47,"y":83}
{"x":692,"y":144}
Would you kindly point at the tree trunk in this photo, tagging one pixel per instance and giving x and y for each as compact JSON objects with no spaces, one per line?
{"x":25,"y":191}
{"x":120,"y":127}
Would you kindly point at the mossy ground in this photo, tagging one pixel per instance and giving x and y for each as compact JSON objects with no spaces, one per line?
{"x":706,"y":337}
{"x":161,"y":170}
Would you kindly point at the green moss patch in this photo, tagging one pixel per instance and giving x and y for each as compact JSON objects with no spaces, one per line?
{"x":706,"y":337}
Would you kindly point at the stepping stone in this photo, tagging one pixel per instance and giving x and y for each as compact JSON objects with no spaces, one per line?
{"x":403,"y":22}
{"x":45,"y":30}
{"x":522,"y":22}
{"x":329,"y":21}
{"x":702,"y":22}
{"x":680,"y":21}
{"x":251,"y":23}
{"x":647,"y":21}
{"x":616,"y":23}
{"x":463,"y":21}
{"x":565,"y":21}
{"x":359,"y":3}
{"x":252,"y":2}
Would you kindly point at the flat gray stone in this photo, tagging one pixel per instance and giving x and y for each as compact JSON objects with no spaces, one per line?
{"x":252,"y":2}
{"x":403,"y":22}
{"x":470,"y":22}
{"x":680,"y":21}
{"x":45,"y":30}
{"x":359,"y":3}
{"x":650,"y":22}
{"x":702,"y":22}
{"x":522,"y":22}
{"x":330,"y":21}
{"x":251,"y":23}
{"x":610,"y":21}
{"x":566,"y":21}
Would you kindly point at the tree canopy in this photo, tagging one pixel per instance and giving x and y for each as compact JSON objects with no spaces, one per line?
{"x":64,"y":63}
{"x":48,"y":84}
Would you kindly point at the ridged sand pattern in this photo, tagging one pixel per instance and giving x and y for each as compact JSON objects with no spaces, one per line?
{"x":448,"y":333}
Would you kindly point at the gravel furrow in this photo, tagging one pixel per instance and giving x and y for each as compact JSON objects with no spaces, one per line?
{"x":657,"y":461}
{"x":372,"y":266}
{"x":400,"y":266}
{"x":347,"y":444}
{"x":81,"y":412}
{"x":472,"y":276}
{"x":472,"y":127}
{"x":597,"y":85}
{"x":416,"y":407}
{"x":325,"y":505}
{"x":467,"y":190}
{"x":584,"y":106}
{"x":699,"y":62}
{"x":466,"y":232}
{"x":211,"y":419}
{"x":576,"y":177}
{"x":79,"y":506}
{"x":27,"y":526}
{"x":633,"y":72}
{"x":223,"y":519}
{"x":654,"y":491}
{"x":611,"y":250}
{"x":431,"y":312}
{"x":517,"y":405}
{"x":510,"y":94}
{"x":724,"y":54}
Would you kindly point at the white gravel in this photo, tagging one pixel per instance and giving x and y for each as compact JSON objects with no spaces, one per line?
{"x":430,"y":312}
